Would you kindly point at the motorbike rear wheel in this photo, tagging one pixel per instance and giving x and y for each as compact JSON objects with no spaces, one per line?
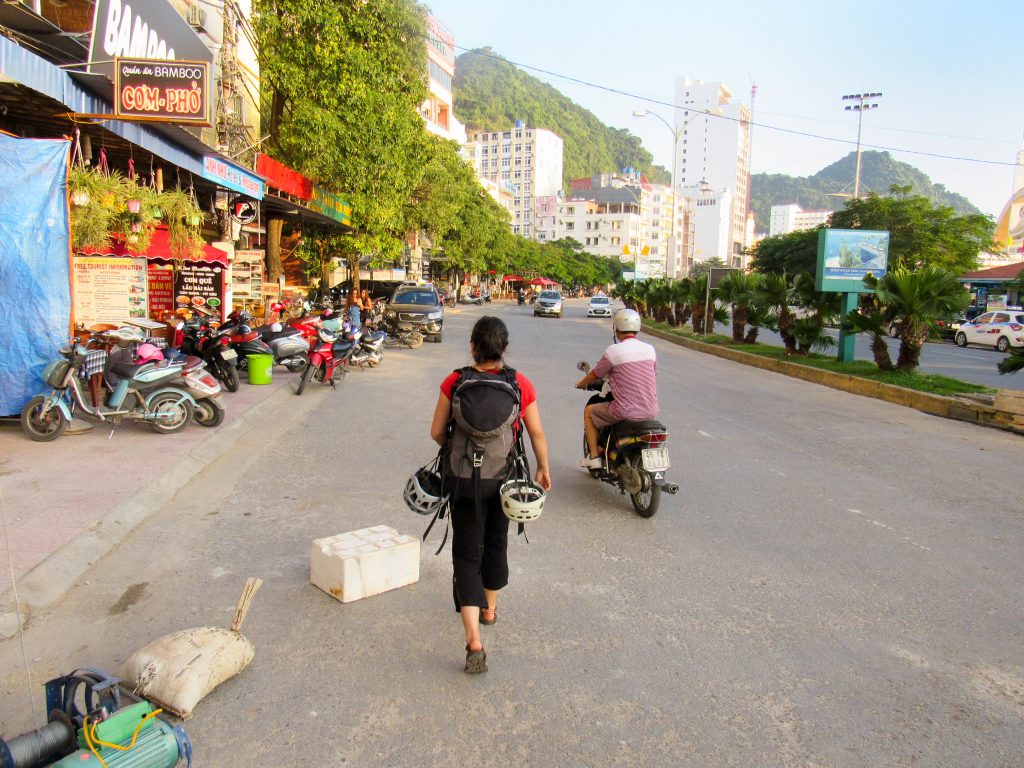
{"x":207,"y":413}
{"x":39,"y":427}
{"x":178,"y":410}
{"x":306,"y":376}
{"x":415,"y":340}
{"x":646,"y":501}
{"x":229,"y":376}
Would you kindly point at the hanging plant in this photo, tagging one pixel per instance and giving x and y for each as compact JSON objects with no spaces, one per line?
{"x":92,"y":215}
{"x":184,"y":217}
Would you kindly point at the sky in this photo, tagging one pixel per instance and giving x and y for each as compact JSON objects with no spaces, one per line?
{"x":945,"y":70}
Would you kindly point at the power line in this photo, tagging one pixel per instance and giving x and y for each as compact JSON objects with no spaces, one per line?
{"x":672,"y":105}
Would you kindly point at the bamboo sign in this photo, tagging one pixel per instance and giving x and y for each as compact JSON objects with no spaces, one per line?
{"x":162,"y":91}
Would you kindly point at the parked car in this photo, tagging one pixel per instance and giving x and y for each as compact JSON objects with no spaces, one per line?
{"x":940,"y":329}
{"x":599,"y":306}
{"x":1002,"y":330}
{"x":420,"y":306}
{"x":548,"y":303}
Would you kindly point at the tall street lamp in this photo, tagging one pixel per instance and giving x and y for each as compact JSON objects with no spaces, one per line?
{"x":860,"y":108}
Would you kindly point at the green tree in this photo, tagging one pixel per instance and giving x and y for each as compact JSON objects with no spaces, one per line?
{"x":921,"y":234}
{"x":792,"y":253}
{"x":776,"y":296}
{"x":914,"y":301}
{"x":874,"y":320}
{"x":342,"y":83}
{"x":701,"y":268}
{"x":737,"y":289}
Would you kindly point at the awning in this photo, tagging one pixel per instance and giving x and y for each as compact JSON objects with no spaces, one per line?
{"x":159,"y":250}
{"x":541,"y":281}
{"x":511,"y":279}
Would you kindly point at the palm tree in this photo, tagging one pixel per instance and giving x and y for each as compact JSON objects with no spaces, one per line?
{"x":1013,"y":362}
{"x":915,"y":300}
{"x":776,"y":295}
{"x":737,"y":290}
{"x":682,"y":303}
{"x":698,"y":290}
{"x":757,"y":318}
{"x":876,"y":323}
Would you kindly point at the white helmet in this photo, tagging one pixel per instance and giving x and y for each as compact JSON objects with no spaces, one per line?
{"x":627,"y":321}
{"x":423,"y":493}
{"x":521,"y":500}
{"x":276,"y":328}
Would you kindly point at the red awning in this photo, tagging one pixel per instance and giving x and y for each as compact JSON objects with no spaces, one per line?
{"x":541,"y":281}
{"x":159,"y":250}
{"x":511,"y":278}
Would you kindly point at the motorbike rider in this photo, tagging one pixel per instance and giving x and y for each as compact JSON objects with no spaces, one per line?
{"x":521,"y":295}
{"x":631,"y":368}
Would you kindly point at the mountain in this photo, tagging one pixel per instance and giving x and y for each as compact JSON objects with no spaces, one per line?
{"x":492,"y":93}
{"x":878,"y":171}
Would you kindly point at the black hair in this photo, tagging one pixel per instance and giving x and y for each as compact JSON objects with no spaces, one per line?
{"x":489,"y":339}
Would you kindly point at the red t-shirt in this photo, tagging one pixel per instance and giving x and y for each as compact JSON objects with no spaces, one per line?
{"x":527,"y":393}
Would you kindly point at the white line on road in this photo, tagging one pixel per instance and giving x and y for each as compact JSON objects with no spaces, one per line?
{"x":880,"y":524}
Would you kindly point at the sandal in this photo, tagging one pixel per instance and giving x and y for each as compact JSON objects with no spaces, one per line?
{"x":476,"y":661}
{"x":488,"y":616}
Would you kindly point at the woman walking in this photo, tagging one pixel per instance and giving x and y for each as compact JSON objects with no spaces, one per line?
{"x":480,"y":539}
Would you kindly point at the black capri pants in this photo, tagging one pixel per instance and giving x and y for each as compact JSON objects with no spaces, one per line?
{"x":479,"y":550}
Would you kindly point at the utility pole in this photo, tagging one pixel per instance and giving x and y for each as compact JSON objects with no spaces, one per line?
{"x":860,"y":107}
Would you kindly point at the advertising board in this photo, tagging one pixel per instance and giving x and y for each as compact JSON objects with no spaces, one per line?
{"x":847,"y":256}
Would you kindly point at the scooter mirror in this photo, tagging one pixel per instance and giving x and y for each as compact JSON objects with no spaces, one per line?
{"x":583,"y":365}
{"x":179,"y":326}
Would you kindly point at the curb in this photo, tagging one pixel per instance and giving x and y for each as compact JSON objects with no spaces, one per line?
{"x":49,"y":580}
{"x":962,"y":408}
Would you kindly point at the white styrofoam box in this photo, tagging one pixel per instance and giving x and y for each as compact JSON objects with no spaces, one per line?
{"x":362,"y":563}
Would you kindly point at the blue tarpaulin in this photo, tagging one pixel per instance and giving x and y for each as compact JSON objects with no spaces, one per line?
{"x":35,"y":285}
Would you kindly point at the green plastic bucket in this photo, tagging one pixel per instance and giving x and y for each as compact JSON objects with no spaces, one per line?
{"x":259,"y":369}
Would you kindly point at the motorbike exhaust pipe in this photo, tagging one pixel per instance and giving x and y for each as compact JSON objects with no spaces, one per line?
{"x":670,"y":488}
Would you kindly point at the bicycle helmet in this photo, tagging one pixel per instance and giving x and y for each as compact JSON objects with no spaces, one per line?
{"x":148,"y":353}
{"x":423,"y":492}
{"x":521,"y":500}
{"x":627,"y":321}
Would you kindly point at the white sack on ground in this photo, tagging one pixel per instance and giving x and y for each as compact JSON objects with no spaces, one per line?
{"x":178,"y":670}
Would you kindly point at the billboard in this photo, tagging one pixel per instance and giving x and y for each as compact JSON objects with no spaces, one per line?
{"x":847,"y":256}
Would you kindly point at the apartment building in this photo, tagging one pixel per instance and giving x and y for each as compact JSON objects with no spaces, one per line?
{"x":437,"y":109}
{"x":714,"y":148}
{"x":792,"y":218}
{"x":710,"y":224}
{"x":530,"y":159}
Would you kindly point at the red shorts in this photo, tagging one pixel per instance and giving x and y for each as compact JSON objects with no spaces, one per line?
{"x":601,"y":413}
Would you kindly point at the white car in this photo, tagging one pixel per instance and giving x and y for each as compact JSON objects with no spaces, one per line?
{"x":600,"y":306}
{"x":1002,"y":330}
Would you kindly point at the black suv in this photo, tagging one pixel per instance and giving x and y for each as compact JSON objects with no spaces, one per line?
{"x":420,"y":306}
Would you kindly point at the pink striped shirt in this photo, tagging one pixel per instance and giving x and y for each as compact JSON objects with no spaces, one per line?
{"x":631,"y":367}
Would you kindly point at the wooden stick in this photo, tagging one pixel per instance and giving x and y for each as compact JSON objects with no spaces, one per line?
{"x":252,"y":586}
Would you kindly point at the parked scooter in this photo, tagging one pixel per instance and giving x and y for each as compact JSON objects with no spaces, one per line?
{"x":635,"y":456}
{"x":289,"y":346}
{"x":372,"y":343}
{"x":203,"y":386}
{"x":244,"y":340}
{"x":146,"y":393}
{"x":327,"y":359}
{"x":198,"y":338}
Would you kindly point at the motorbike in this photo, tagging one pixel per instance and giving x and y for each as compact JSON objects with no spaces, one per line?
{"x":402,"y":334}
{"x":635,"y":456}
{"x":449,"y":300}
{"x":327,"y":359}
{"x":521,"y":299}
{"x":147,"y":393}
{"x":202,"y":385}
{"x":244,"y":340}
{"x":471,"y":299}
{"x":370,"y":350}
{"x":199,"y":339}
{"x":288,"y":344}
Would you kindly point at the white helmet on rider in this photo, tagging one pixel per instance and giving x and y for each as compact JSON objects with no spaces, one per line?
{"x":521,"y":500}
{"x":627,"y":321}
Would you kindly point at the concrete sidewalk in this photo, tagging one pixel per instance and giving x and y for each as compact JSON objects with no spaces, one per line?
{"x":68,"y":502}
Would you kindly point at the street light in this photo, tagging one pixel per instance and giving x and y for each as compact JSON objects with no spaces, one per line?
{"x":860,"y":108}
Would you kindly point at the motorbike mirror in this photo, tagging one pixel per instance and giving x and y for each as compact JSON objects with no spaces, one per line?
{"x":583,"y":365}
{"x":179,"y":326}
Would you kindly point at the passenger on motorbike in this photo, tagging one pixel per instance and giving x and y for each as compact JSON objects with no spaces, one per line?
{"x":631,"y":368}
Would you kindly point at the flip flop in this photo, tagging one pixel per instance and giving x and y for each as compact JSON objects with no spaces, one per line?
{"x":476,"y":661}
{"x":493,"y":616}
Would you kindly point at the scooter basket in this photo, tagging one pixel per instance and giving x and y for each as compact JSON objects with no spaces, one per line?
{"x":55,"y":373}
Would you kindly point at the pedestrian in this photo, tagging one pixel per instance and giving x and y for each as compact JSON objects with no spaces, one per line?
{"x":365,"y":304}
{"x":352,"y":310}
{"x":480,"y":537}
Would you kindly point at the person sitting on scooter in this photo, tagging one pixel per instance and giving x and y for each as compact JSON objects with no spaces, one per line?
{"x":631,"y":368}
{"x":521,"y":296}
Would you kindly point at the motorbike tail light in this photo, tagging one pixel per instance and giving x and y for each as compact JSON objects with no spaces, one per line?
{"x":208,"y":380}
{"x":653,"y":438}
{"x":225,"y":341}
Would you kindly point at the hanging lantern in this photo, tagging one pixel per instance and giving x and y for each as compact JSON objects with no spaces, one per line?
{"x":194,"y":219}
{"x":134,"y":205}
{"x":80,"y":197}
{"x":156,"y":213}
{"x":136,"y":227}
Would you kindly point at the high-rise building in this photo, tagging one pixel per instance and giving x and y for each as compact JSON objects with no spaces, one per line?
{"x":714,"y":149}
{"x":437,"y":109}
{"x":710,"y":224}
{"x":791,"y":218}
{"x":530,"y":159}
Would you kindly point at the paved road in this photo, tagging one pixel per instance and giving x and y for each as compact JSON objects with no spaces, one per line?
{"x":838,"y":584}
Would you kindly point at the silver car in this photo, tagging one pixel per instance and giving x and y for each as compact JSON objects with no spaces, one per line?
{"x":548,"y":303}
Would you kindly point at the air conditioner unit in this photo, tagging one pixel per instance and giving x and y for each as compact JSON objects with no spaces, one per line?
{"x":197,"y":18}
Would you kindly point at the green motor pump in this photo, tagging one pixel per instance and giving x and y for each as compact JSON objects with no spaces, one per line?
{"x":130,"y":738}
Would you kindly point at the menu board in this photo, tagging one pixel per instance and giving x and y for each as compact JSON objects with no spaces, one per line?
{"x":247,"y":274}
{"x":108,"y":289}
{"x":160,"y":280}
{"x":200,"y":285}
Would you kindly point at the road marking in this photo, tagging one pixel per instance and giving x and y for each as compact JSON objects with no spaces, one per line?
{"x":703,"y":433}
{"x":880,"y":524}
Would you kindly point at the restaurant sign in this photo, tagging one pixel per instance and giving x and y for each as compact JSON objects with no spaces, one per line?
{"x":231,"y":176}
{"x":330,"y":205}
{"x":162,"y":91}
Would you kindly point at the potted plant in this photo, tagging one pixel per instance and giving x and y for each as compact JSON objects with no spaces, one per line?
{"x":184,"y":218}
